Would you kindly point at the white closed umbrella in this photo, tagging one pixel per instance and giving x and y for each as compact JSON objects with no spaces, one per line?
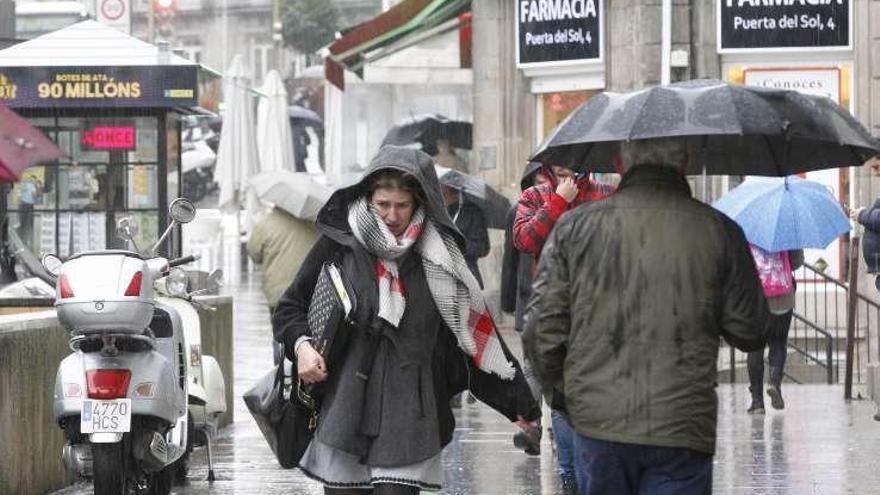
{"x":237,"y":158}
{"x":274,"y":141}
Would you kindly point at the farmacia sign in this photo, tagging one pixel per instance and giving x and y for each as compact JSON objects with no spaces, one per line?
{"x":552,"y":31}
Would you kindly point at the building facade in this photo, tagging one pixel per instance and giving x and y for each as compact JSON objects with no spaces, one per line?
{"x":523,"y":89}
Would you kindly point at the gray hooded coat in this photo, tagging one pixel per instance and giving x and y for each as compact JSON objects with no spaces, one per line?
{"x":400,"y":414}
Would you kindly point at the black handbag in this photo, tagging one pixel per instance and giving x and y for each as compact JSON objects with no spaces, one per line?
{"x":330,"y":310}
{"x":286,"y":415}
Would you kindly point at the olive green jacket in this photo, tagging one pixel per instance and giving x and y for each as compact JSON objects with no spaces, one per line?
{"x":630,"y":300}
{"x":280,"y":242}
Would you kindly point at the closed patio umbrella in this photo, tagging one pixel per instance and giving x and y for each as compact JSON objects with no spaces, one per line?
{"x":237,"y":158}
{"x":274,"y":141}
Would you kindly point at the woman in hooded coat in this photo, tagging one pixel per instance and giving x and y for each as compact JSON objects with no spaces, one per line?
{"x":421,"y":334}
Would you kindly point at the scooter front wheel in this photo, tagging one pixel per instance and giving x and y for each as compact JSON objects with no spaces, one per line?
{"x":109,"y":468}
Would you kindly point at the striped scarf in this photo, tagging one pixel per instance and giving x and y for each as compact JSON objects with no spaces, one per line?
{"x":453,"y":287}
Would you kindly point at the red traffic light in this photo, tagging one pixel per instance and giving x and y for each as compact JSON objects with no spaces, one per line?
{"x":165,"y":7}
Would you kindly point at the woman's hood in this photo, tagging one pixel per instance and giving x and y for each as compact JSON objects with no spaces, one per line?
{"x":333,"y":218}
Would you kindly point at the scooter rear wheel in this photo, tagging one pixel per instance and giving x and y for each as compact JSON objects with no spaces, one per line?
{"x":109,"y":469}
{"x":162,"y":481}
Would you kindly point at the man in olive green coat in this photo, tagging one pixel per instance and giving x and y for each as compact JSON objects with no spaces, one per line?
{"x":279,"y":243}
{"x":631,"y":297}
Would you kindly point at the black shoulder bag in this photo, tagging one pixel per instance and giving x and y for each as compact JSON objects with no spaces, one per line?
{"x":287,"y":417}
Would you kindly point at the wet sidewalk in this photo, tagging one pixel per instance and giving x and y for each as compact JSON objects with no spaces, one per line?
{"x":818,"y":445}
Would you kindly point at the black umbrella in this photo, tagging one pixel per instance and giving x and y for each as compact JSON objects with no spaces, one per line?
{"x":427,"y":129}
{"x":730,"y":129}
{"x":494,"y":204}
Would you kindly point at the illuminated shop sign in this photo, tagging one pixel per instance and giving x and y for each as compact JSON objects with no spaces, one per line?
{"x":125,"y":86}
{"x":109,"y":138}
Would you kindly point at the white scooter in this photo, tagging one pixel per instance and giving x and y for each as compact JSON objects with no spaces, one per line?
{"x":122,"y":395}
{"x":207,"y":387}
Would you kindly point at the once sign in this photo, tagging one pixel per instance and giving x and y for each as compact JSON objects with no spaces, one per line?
{"x":552,"y":31}
{"x":748,"y":25}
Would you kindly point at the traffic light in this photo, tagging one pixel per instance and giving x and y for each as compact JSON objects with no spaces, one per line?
{"x":164,"y":8}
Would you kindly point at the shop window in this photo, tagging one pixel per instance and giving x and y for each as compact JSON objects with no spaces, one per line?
{"x":143,"y":187}
{"x":557,"y":106}
{"x":148,"y":229}
{"x":111,"y":170}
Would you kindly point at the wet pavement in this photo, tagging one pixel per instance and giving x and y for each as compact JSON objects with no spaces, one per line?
{"x":819,"y":444}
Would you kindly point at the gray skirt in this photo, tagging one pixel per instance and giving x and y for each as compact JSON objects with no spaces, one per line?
{"x":337,"y":469}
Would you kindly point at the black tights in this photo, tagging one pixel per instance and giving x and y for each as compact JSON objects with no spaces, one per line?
{"x":378,"y":489}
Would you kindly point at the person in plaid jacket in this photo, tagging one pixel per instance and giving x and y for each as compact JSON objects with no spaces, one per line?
{"x":539,"y":208}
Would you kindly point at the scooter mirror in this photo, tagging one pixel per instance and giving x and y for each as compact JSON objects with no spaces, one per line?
{"x":182,"y":210}
{"x":215,"y":280}
{"x":126,"y":229}
{"x":52,"y":264}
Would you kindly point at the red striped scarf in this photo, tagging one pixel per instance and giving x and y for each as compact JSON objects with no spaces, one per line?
{"x":453,"y":287}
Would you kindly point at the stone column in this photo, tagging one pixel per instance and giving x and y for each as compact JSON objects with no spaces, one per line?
{"x":504,"y":116}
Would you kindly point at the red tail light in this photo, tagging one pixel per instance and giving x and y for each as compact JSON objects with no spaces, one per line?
{"x":64,"y":284}
{"x":134,"y":287}
{"x":107,"y":384}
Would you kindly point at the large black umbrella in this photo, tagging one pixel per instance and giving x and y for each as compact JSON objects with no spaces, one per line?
{"x":427,"y":129}
{"x":494,"y":204}
{"x":730,"y":129}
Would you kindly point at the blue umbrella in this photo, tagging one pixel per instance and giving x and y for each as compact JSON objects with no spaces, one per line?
{"x":779,"y":214}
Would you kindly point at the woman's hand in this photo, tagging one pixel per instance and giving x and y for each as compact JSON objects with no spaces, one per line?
{"x":309,"y":364}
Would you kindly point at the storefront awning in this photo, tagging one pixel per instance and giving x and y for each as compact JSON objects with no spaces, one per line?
{"x":405,"y":24}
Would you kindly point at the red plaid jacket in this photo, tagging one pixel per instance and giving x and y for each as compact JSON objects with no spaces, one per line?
{"x":540,"y":207}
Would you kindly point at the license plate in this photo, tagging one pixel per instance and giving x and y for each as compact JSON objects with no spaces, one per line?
{"x":106,"y":416}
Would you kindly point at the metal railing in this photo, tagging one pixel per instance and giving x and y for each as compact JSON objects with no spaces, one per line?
{"x":817,"y":339}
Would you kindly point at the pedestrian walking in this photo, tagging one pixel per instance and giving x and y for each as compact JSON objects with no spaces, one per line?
{"x":385,"y":414}
{"x":869,"y":218}
{"x":537,"y":212}
{"x":516,"y":289}
{"x":777,"y":280}
{"x":627,"y":311}
{"x":27,"y":196}
{"x":471,"y":222}
{"x":279,"y":243}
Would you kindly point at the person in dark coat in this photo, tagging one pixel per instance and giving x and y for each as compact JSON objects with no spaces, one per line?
{"x":385,"y":414}
{"x":628,"y":309}
{"x":471,"y":222}
{"x":869,"y":218}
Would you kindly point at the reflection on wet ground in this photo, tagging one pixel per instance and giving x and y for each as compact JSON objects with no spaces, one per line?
{"x":818,"y":445}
